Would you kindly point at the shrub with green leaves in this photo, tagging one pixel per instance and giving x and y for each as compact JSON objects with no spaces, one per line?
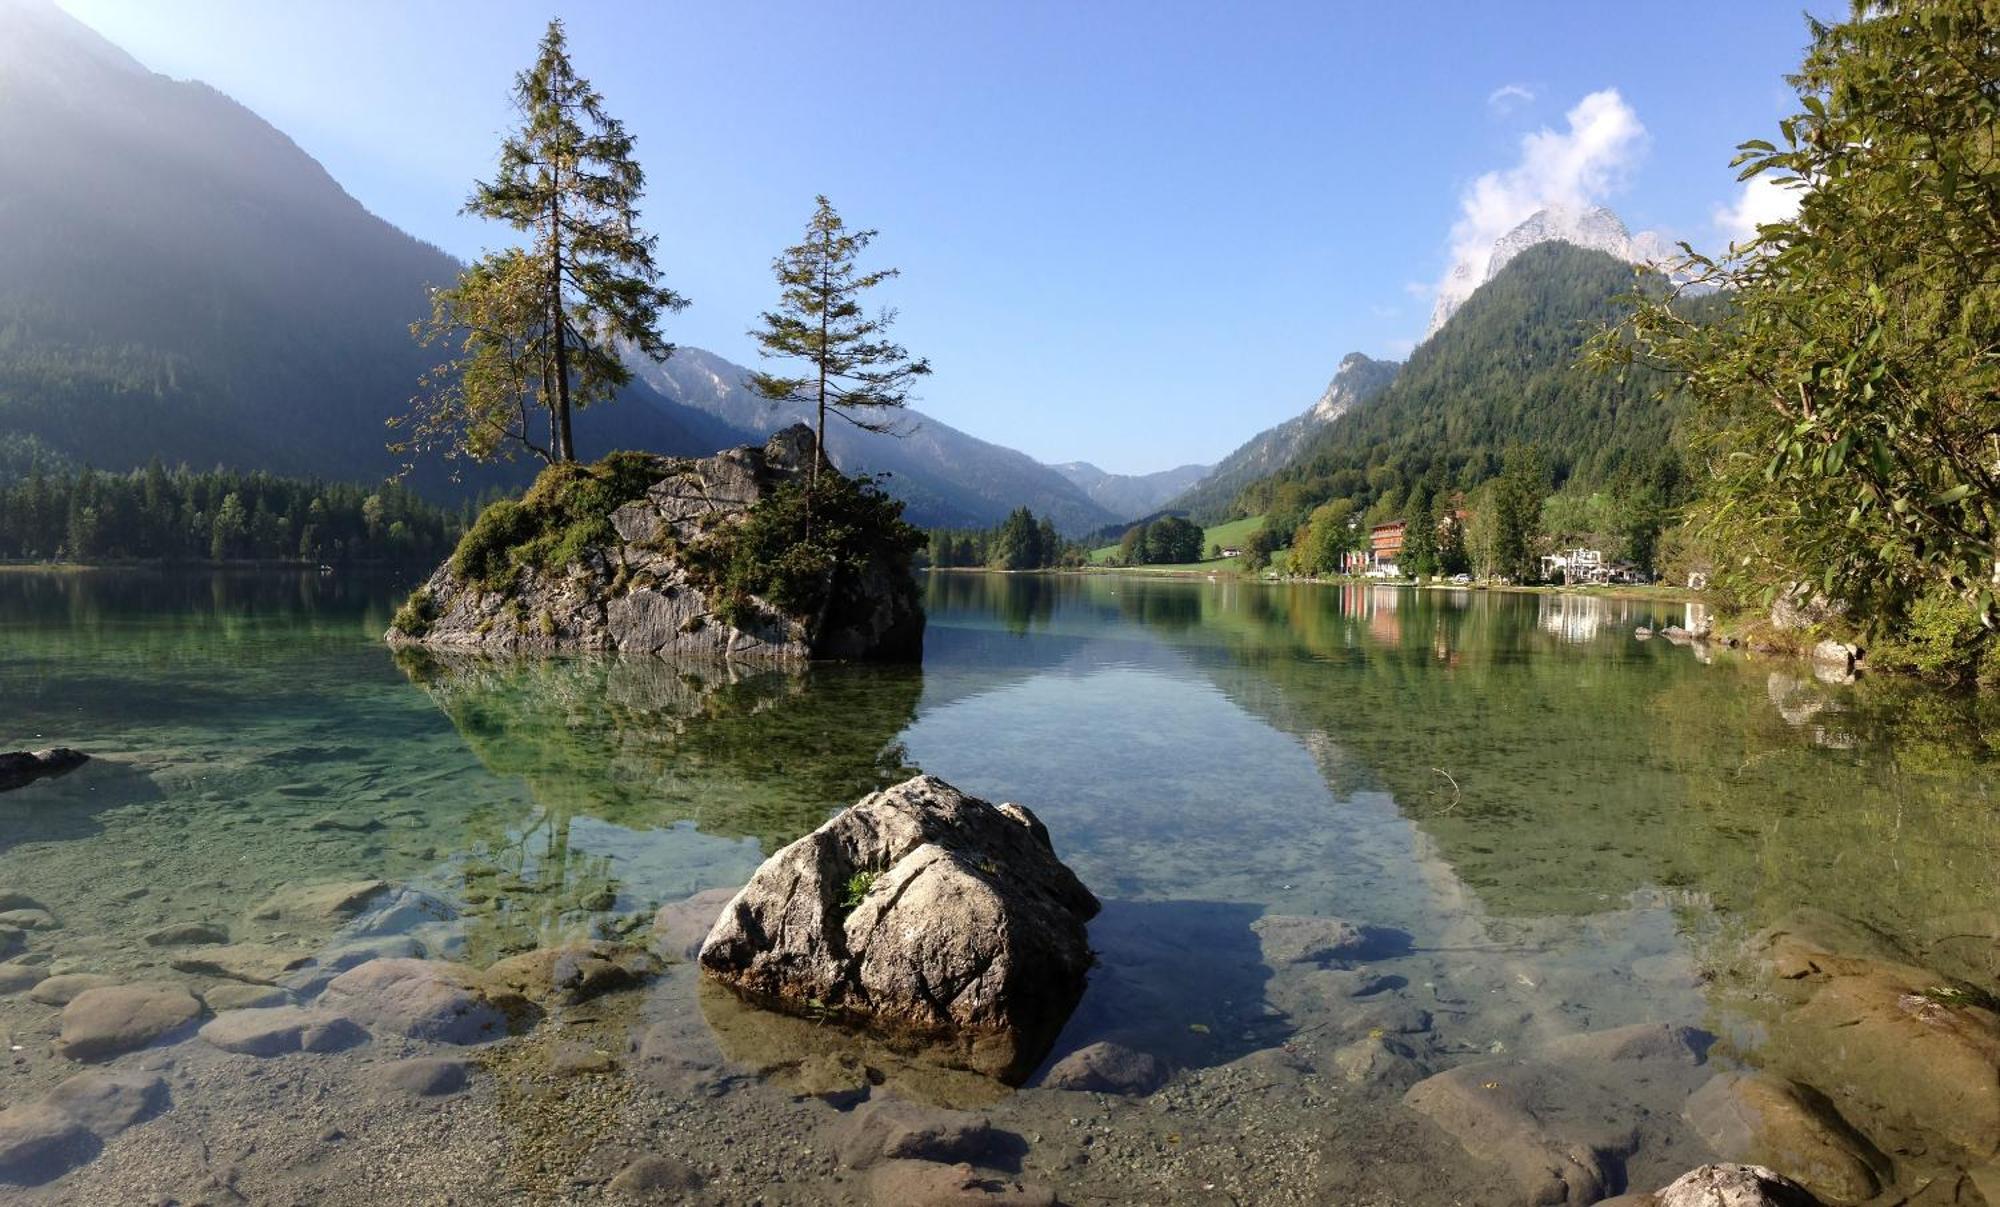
{"x":1848,"y":396}
{"x":802,"y":549}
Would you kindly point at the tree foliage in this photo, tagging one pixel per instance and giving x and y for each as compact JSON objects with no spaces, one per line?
{"x":1167,"y":541}
{"x":1021,"y":542}
{"x":1501,"y":373}
{"x":1849,"y":396}
{"x":851,"y":368}
{"x":545,"y":326}
{"x":157,"y":514}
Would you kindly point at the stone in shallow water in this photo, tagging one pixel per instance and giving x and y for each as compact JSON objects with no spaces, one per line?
{"x":1299,"y":939}
{"x":187,"y":934}
{"x":423,"y":999}
{"x":238,"y":996}
{"x":102,"y":1023}
{"x":572,"y":973}
{"x":1561,"y":1124}
{"x":253,"y":963}
{"x":1107,"y":1067}
{"x":39,"y":1142}
{"x":319,"y":903}
{"x":107,"y":1103}
{"x":277,"y":1030}
{"x":919,"y":911}
{"x":656,"y":1179}
{"x":1378,"y":1060}
{"x":680,"y":926}
{"x":424,"y":1076}
{"x":16,"y":977}
{"x":905,"y":1183}
{"x":1766,"y":1120}
{"x":29,"y":919}
{"x":887,"y":1128}
{"x":64,"y":989}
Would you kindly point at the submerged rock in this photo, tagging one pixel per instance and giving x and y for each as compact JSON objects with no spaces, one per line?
{"x":19,"y":768}
{"x":186,"y":934}
{"x":889,"y":1129}
{"x":680,"y":926}
{"x":1908,"y":1058}
{"x":1766,"y":1120}
{"x":104,"y":1022}
{"x":635,"y":587}
{"x":39,"y":1142}
{"x":251,"y":963}
{"x":64,"y":989}
{"x":1107,"y":1067}
{"x":276,"y":1030}
{"x":1297,"y":939}
{"x":319,"y":904}
{"x":919,"y":911}
{"x":107,"y":1103}
{"x":424,"y":1076}
{"x":924,"y":1184}
{"x":424,"y":999}
{"x":572,"y":973}
{"x":656,"y":1179}
{"x":1562,"y":1124}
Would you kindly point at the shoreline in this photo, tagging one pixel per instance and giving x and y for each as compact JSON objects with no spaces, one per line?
{"x":1654,"y":592}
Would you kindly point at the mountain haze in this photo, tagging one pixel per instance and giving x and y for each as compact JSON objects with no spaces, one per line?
{"x":1359,"y":379}
{"x":948,"y":478}
{"x":178,"y":279}
{"x":1129,"y":496}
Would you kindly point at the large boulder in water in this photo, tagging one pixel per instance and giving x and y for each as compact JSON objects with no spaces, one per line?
{"x":623,"y":555}
{"x":923,"y":914}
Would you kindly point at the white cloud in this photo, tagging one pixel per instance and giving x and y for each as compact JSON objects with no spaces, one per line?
{"x":1509,"y":97}
{"x":1420,"y":290}
{"x":1578,"y":167}
{"x":1761,"y":201}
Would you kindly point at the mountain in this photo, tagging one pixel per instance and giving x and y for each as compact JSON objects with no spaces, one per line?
{"x":1129,"y":496}
{"x":1501,"y":371}
{"x":1595,"y":228}
{"x":1360,"y":378}
{"x":948,"y":478}
{"x":178,"y":279}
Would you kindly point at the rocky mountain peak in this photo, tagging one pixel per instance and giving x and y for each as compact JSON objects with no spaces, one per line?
{"x":1592,"y":227}
{"x":1357,"y":379}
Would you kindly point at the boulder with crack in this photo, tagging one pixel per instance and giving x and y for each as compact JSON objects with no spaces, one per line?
{"x":923,"y":914}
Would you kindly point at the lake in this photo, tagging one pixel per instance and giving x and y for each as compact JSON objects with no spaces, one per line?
{"x":1564,"y":836}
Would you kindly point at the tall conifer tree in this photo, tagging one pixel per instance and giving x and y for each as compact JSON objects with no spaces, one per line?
{"x":851,"y":367}
{"x":546,"y":324}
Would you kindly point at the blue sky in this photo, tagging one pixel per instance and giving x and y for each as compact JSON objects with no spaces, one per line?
{"x":1131,"y":233}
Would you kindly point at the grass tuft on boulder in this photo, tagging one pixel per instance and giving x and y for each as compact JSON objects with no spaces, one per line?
{"x":565,"y":512}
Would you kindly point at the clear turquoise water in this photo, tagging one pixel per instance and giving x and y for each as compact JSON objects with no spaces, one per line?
{"x":1569,"y":823}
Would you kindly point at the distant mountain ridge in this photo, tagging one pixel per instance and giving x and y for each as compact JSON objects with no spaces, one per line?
{"x":1130,"y":496}
{"x":1359,"y":379}
{"x":178,"y":279}
{"x":947,"y":478}
{"x":1502,"y":371}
